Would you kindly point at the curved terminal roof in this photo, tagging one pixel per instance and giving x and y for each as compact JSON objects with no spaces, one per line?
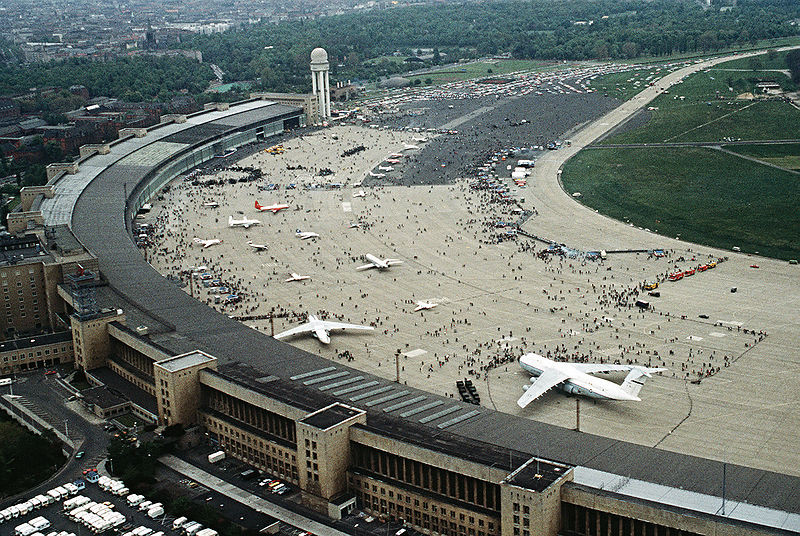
{"x":93,"y":202}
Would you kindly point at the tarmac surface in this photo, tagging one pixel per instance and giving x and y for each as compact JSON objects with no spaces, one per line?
{"x":730,"y":390}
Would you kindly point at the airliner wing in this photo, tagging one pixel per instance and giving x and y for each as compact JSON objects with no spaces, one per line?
{"x":303,"y":328}
{"x":366,"y":267}
{"x":546,"y":381}
{"x":592,"y":368}
{"x":341,"y":325}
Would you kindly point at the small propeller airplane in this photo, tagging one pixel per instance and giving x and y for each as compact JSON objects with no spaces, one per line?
{"x":321,"y":329}
{"x":207,"y":243}
{"x":246,"y":223}
{"x":386,"y":168}
{"x":409,"y":147}
{"x":360,"y":193}
{"x":380,"y":264}
{"x":257,"y":247}
{"x":377,"y":175}
{"x":297,"y":277}
{"x":274,"y":208}
{"x":423,"y":305}
{"x":305,"y":235}
{"x":211,"y":204}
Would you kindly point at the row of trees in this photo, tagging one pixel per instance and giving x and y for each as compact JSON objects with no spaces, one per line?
{"x":142,"y":77}
{"x":25,"y":458}
{"x":277,"y":55}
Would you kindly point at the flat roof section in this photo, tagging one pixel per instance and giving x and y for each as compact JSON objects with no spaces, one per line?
{"x":331,"y":416}
{"x":39,"y":340}
{"x":184,"y":361}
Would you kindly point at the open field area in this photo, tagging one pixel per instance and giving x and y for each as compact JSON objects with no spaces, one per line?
{"x":705,"y":108}
{"x":784,"y":155}
{"x":698,"y":194}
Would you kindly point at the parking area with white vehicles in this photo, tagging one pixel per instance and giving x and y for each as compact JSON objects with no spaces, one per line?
{"x":77,"y":508}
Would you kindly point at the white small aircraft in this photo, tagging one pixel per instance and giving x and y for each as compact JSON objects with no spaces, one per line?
{"x":377,"y":175}
{"x":246,"y":223}
{"x":375,"y":262}
{"x":396,"y":155}
{"x":211,"y":204}
{"x":576,"y":378}
{"x":360,"y":193}
{"x":420,"y":140}
{"x":257,"y":247}
{"x":423,"y":305}
{"x":354,"y":225}
{"x":321,"y":329}
{"x":386,"y":168}
{"x":297,"y":277}
{"x":273,"y":208}
{"x":409,"y":147}
{"x":305,"y":235}
{"x":207,"y":243}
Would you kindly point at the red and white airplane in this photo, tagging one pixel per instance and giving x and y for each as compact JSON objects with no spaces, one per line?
{"x":272,"y":208}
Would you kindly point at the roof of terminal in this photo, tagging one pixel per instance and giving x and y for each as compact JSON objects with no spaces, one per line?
{"x":96,"y":221}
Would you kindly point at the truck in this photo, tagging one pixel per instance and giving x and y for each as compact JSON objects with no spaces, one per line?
{"x":155,"y":511}
{"x":214,"y":457}
{"x":39,"y":523}
{"x":192,"y":528}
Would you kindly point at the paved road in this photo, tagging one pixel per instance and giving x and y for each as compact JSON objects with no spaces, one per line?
{"x":558,"y":210}
{"x":45,"y":396}
{"x":245,"y":497}
{"x":692,"y":144}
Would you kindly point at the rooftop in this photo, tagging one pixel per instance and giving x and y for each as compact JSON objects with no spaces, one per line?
{"x":331,"y":416}
{"x":184,"y":361}
{"x":37,"y":340}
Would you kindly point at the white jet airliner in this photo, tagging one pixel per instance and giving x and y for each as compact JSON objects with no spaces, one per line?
{"x":321,"y":329}
{"x":207,"y":243}
{"x":273,"y":208}
{"x":409,"y":147}
{"x":257,"y":247}
{"x":305,"y":235}
{"x":375,"y":262}
{"x":576,"y":378}
{"x":297,"y":277}
{"x":423,"y":305}
{"x":377,"y":175}
{"x":386,"y":168}
{"x":246,"y":222}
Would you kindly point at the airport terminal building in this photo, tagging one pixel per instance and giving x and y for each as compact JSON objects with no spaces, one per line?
{"x":348,"y":440}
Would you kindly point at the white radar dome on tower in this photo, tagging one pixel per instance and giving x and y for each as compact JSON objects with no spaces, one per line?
{"x":319,"y":56}
{"x":320,"y":83}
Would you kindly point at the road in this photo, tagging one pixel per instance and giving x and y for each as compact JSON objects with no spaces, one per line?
{"x":47,"y":398}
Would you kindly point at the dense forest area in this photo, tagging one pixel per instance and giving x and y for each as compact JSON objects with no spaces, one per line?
{"x":134,"y":78}
{"x":535,"y":29}
{"x":361,"y":45}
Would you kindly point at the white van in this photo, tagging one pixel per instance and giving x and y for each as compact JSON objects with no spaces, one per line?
{"x":178,"y":523}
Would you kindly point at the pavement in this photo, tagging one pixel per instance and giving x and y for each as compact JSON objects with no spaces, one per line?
{"x":729,"y":355}
{"x":247,"y":498}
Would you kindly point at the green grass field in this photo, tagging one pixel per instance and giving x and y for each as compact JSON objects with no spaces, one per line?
{"x":703,"y":108}
{"x":625,"y":85}
{"x":698,"y":194}
{"x":787,"y":155}
{"x":480,"y":69}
